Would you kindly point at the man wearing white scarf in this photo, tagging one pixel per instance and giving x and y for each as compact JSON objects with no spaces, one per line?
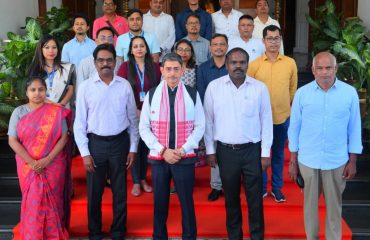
{"x":171,"y":124}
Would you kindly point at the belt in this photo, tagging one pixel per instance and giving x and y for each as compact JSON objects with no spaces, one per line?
{"x":236,"y":146}
{"x":106,"y":138}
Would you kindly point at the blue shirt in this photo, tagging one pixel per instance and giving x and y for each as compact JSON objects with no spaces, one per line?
{"x":205,"y":23}
{"x":325,"y":126}
{"x":207,"y":72}
{"x":74,"y":51}
{"x":123,"y":43}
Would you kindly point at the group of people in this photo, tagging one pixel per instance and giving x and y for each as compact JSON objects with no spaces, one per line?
{"x":140,"y":98}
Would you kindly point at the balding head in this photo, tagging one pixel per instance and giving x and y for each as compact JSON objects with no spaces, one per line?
{"x":324,"y":68}
{"x":324,"y":55}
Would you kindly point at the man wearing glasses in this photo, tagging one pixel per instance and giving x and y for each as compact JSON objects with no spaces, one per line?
{"x":87,"y":69}
{"x":279,"y":73}
{"x":111,"y":19}
{"x":106,"y":149}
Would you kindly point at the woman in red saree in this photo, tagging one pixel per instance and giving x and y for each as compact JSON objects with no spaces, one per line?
{"x":38,"y":134}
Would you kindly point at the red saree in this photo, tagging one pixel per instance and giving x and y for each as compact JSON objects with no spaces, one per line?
{"x":45,"y":197}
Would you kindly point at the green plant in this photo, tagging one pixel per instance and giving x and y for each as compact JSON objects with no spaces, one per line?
{"x":347,"y":41}
{"x":56,"y":22}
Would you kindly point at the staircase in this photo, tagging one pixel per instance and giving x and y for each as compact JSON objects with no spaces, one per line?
{"x":356,"y":200}
{"x":10,"y":195}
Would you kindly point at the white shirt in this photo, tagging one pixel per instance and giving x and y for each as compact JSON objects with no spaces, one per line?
{"x":238,"y":115}
{"x":259,"y":26}
{"x":87,"y":69}
{"x":192,"y":142}
{"x":226,"y":25}
{"x":162,"y":27}
{"x":254,"y":47}
{"x":105,"y":110}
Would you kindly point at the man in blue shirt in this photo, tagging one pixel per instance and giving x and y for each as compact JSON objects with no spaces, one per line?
{"x":81,"y":45}
{"x":208,"y":71}
{"x":324,"y":140}
{"x":205,"y":21}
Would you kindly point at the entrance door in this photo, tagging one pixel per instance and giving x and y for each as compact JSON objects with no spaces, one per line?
{"x":86,"y":7}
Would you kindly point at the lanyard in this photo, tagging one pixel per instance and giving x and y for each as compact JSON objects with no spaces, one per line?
{"x":141,"y":76}
{"x":51,"y":77}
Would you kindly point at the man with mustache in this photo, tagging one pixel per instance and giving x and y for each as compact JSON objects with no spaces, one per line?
{"x":238,"y":137}
{"x":171,"y":125}
{"x":81,"y":45}
{"x":106,"y":149}
{"x":279,"y":73}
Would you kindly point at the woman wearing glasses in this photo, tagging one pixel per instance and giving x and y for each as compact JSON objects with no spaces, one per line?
{"x":186,"y":51}
{"x":143,"y":74}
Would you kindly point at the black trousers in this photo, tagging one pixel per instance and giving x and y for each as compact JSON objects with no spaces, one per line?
{"x":184,"y":178}
{"x":110,"y":156}
{"x":245,"y":164}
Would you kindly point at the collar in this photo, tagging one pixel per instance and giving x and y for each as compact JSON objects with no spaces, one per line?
{"x":257,"y":19}
{"x":105,"y":18}
{"x":231,"y":13}
{"x":213,"y":65}
{"x":97,"y":78}
{"x":132,"y":35}
{"x":316,"y":86}
{"x":227,"y":79}
{"x":83,"y":41}
{"x":265,"y":58}
{"x":198,"y":39}
{"x":196,"y":11}
{"x":150,"y":14}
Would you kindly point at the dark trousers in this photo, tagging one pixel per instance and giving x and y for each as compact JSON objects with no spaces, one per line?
{"x":140,"y":166}
{"x":184,"y":177}
{"x":245,"y":164}
{"x":110,"y":155}
{"x":277,"y":156}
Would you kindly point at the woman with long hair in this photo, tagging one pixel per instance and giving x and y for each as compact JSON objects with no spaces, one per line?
{"x":38,"y":134}
{"x":143,"y":74}
{"x":59,"y":77}
{"x":184,"y":48}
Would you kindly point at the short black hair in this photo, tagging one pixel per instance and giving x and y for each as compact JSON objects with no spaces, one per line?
{"x":192,"y":15}
{"x":246,"y":16}
{"x":234,"y":50}
{"x":134,"y":10}
{"x":104,"y":29}
{"x":81,"y":15}
{"x":105,"y":46}
{"x":263,"y":0}
{"x":171,"y":57}
{"x":271,"y":28}
{"x":216,"y":35}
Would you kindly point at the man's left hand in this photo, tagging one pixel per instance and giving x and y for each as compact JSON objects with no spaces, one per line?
{"x":131,"y":158}
{"x":350,"y":170}
{"x":265,"y":162}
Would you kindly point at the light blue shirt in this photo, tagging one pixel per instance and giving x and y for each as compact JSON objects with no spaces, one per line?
{"x":123,"y":43}
{"x":325,"y":126}
{"x":201,"y":49}
{"x":74,"y":51}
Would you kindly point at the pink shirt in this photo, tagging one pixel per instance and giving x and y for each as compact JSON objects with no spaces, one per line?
{"x":119,"y":23}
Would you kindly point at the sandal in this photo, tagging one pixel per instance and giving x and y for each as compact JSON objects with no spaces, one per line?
{"x":136,"y":190}
{"x":146,"y":187}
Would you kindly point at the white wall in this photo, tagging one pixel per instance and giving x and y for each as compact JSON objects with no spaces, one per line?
{"x":53,"y":3}
{"x":363,"y":12}
{"x":13,"y":15}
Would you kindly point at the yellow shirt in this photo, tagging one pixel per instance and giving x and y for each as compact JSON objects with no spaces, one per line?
{"x":281,"y":79}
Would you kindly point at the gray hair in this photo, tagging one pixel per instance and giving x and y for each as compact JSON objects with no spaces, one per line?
{"x":171,"y":57}
{"x":333,"y":58}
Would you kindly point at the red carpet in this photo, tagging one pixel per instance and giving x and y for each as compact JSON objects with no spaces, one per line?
{"x":282,"y":220}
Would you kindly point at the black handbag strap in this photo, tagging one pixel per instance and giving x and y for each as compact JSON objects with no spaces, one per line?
{"x":111,"y":26}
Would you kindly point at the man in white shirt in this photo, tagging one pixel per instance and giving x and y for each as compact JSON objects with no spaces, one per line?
{"x":253,"y":46}
{"x":161,"y":25}
{"x":263,"y":20}
{"x":171,"y":125}
{"x":238,"y":137}
{"x":225,"y":21}
{"x":107,"y":136}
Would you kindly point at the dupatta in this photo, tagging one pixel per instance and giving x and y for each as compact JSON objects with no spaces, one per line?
{"x":45,"y":197}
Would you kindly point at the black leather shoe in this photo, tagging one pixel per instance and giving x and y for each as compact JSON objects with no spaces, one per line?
{"x":214,"y":195}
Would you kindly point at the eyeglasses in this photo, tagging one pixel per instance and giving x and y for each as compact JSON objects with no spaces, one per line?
{"x":108,"y":4}
{"x":104,"y":38}
{"x":273,"y":39}
{"x":107,"y":60}
{"x":183,"y":50}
